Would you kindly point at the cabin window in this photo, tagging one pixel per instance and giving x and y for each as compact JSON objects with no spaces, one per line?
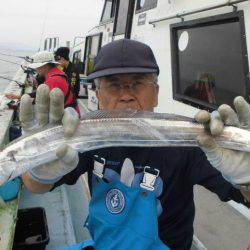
{"x":209,"y":60}
{"x":78,"y":62}
{"x":124,"y":18}
{"x":144,"y":5}
{"x":92,"y":46}
{"x":77,"y":57}
{"x":51,"y":43}
{"x":45,"y":44}
{"x":109,"y":10}
{"x":121,"y":22}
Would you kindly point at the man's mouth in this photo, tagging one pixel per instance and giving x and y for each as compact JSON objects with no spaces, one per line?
{"x":128,"y":106}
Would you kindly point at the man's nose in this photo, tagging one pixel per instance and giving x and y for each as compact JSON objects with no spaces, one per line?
{"x":126,"y":93}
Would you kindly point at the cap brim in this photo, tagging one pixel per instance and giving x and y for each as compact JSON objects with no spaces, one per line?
{"x":38,"y":65}
{"x":122,"y":70}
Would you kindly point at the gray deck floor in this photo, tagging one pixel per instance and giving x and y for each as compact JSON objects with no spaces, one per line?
{"x":66,"y":210}
{"x":218,"y":225}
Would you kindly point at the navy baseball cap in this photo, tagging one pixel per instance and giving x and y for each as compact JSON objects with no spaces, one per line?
{"x":124,"y":56}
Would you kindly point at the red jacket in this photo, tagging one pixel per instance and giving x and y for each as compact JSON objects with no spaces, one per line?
{"x":55,"y":81}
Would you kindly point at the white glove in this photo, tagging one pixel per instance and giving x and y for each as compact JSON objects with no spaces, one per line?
{"x":49,"y":109}
{"x":234,"y":165}
{"x":53,"y":171}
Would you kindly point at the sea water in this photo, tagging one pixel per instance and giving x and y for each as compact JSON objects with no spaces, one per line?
{"x":8,"y":69}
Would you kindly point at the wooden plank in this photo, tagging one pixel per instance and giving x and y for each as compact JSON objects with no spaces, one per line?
{"x":6,"y":117}
{"x":8,"y":210}
{"x":8,"y":215}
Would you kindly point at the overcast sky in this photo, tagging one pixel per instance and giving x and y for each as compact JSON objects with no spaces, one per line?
{"x":23,"y":21}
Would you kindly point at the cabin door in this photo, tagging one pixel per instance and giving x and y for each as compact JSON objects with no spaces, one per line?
{"x":123,"y":19}
{"x":92,"y":46}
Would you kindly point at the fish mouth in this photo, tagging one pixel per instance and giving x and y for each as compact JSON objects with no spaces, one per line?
{"x":8,"y":165}
{"x":4,"y":178}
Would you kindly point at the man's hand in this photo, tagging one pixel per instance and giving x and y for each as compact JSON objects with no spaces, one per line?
{"x":12,"y":96}
{"x":234,"y":165}
{"x":49,"y":110}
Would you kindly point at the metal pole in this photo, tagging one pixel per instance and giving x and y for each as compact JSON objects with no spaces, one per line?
{"x":181,"y":15}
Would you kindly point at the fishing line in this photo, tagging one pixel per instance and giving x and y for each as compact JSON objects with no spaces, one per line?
{"x":20,"y":84}
{"x":24,"y":68}
{"x":10,"y":62}
{"x":26,"y":58}
{"x":4,"y":54}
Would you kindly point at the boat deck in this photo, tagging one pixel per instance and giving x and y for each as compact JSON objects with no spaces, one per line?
{"x":217,"y":225}
{"x":63,"y":206}
{"x":8,"y":210}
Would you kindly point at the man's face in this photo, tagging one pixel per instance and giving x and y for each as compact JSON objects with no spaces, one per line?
{"x":128,"y":91}
{"x":63,"y":62}
{"x":41,"y":71}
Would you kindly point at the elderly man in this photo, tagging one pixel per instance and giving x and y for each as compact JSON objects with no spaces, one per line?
{"x":142,"y":198}
{"x":45,"y":66}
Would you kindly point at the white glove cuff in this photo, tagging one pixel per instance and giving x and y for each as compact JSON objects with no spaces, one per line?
{"x":54,"y":171}
{"x":33,"y":176}
{"x":234,"y":165}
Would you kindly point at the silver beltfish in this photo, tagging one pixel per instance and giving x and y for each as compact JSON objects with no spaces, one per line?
{"x":100,"y":129}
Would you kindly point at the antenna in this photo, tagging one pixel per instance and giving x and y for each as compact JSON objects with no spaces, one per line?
{"x":44,"y":24}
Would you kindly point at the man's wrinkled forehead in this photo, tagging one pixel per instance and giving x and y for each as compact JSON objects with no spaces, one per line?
{"x":133,"y":76}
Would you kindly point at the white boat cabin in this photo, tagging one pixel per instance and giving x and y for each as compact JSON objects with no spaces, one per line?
{"x":200,"y":46}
